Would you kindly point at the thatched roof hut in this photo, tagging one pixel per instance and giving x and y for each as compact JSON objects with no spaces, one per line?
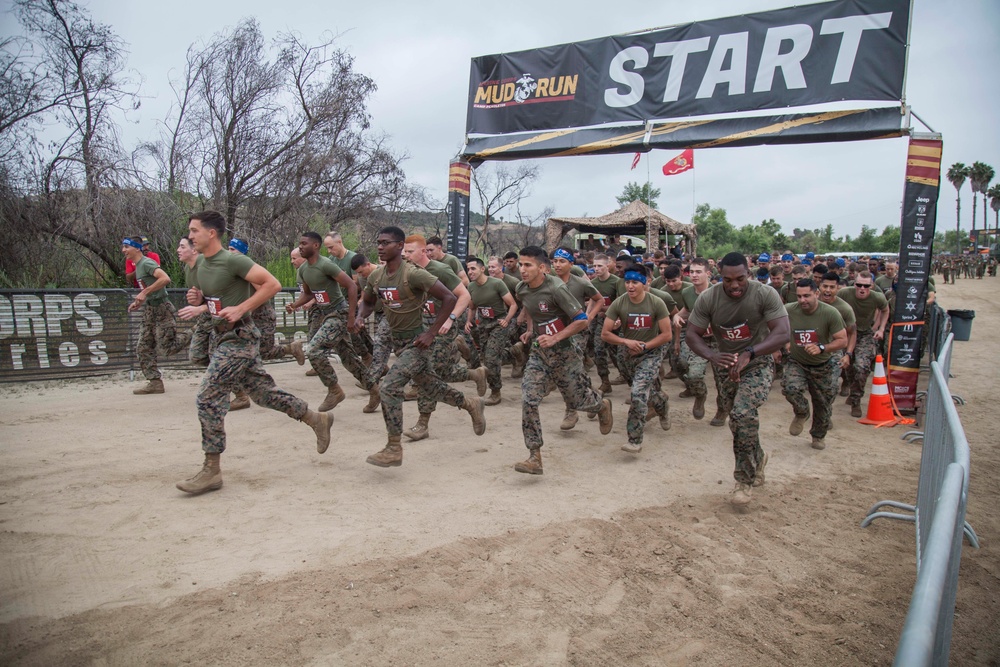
{"x":635,"y":218}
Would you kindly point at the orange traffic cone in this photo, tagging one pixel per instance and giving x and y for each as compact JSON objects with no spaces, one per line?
{"x":879,"y":403}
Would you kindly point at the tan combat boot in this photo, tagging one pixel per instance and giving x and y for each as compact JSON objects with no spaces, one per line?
{"x":493,"y":398}
{"x":374,"y":398}
{"x":798,"y":421}
{"x":698,"y":410}
{"x":720,"y":418}
{"x":420,"y":431}
{"x":312,"y":373}
{"x":742,"y":495}
{"x":209,"y":478}
{"x":619,"y":380}
{"x":519,"y":360}
{"x":321,"y":423}
{"x":334,"y":395}
{"x":818,"y":443}
{"x":295,"y":349}
{"x":532,"y":466}
{"x":569,"y":420}
{"x":687,"y":393}
{"x":390,"y":456}
{"x":474,"y":406}
{"x":240,"y":401}
{"x":632,"y":447}
{"x":605,"y":387}
{"x":665,"y":418}
{"x":463,"y":349}
{"x":478,"y":375}
{"x":151,"y":387}
{"x":605,"y":418}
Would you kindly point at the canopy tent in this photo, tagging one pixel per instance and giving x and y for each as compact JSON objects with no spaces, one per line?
{"x":635,"y":218}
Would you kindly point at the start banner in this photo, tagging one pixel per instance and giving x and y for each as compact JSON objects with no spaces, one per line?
{"x":798,"y":56}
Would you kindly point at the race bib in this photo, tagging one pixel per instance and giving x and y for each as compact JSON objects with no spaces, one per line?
{"x":429,"y":308}
{"x":640,"y":321}
{"x":214,"y":304}
{"x":322,"y":298}
{"x":486,"y":313}
{"x":740,"y":332}
{"x":550,"y":328}
{"x":806,"y":337}
{"x":142,"y":283}
{"x":607,"y":301}
{"x":390,"y":296}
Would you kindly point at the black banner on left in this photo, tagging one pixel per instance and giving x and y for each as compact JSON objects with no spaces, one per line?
{"x":56,"y":334}
{"x":459,"y":188}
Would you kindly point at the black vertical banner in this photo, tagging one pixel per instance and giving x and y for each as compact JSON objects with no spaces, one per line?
{"x":920,"y":196}
{"x":459,"y":178}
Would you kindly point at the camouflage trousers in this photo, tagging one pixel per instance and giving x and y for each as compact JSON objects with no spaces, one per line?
{"x":562,"y":363}
{"x":315,"y":318}
{"x":819,"y":382}
{"x":381,"y":349}
{"x":643,"y":373}
{"x":864,"y":356}
{"x":741,"y":399}
{"x":266,"y":321}
{"x":158,"y":334}
{"x":412,"y":363}
{"x":235,"y":363}
{"x":693,"y":369}
{"x":333,"y":336}
{"x":446,"y":363}
{"x":596,"y":346}
{"x":201,"y":346}
{"x":494,"y":341}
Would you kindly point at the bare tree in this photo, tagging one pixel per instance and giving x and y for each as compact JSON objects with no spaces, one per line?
{"x":531,"y":228}
{"x":499,"y":186}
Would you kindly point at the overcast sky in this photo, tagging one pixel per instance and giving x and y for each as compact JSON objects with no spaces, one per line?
{"x":419,"y":55}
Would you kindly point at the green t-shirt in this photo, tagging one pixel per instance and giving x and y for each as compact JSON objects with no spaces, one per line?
{"x":737,"y":323}
{"x":582,"y":289}
{"x":144,"y":270}
{"x":321,"y":279}
{"x":846,"y":312}
{"x":402,"y":295}
{"x":222,"y":279}
{"x":344,"y":264}
{"x":665,"y":297}
{"x":550,"y":305}
{"x":817,"y":328}
{"x":488,"y":298}
{"x":452,"y":263}
{"x":659,"y":283}
{"x":511,"y":282}
{"x":610,"y":289}
{"x":640,"y":321}
{"x":442,"y":272}
{"x":864,"y":309}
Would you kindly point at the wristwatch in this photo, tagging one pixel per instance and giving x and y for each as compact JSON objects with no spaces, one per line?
{"x":751,"y":351}
{"x":822,"y":348}
{"x":452,"y":317}
{"x":642,"y":345}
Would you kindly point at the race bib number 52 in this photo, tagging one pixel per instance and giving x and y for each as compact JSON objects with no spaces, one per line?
{"x":806,"y":337}
{"x":739,"y":332}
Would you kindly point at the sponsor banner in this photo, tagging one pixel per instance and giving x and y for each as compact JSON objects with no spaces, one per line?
{"x":57,"y":334}
{"x":919,"y":219}
{"x":798,"y":56}
{"x":818,"y":127}
{"x":459,"y":188}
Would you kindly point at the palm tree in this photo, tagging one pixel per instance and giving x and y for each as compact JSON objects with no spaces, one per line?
{"x":994,"y":195}
{"x":984,"y":186}
{"x":957,"y":174}
{"x":977,"y":177}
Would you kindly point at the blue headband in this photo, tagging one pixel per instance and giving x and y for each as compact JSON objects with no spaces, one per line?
{"x":562,"y":253}
{"x":636,"y":276}
{"x":135,"y":244}
{"x":239,"y":245}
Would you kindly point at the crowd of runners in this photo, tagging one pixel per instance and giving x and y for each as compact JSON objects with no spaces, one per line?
{"x":557,"y":320}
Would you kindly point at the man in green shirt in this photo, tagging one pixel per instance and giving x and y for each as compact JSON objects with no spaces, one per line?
{"x":339,"y":254}
{"x":323,"y":281}
{"x":553,"y":316}
{"x":158,"y":330}
{"x":491,"y":312}
{"x":828,"y":294}
{"x":403,"y":289}
{"x":645,"y":330}
{"x":871,"y":310}
{"x":382,"y":341}
{"x":749,"y":323}
{"x":229,"y":287}
{"x":690,"y":367}
{"x":610,"y":287}
{"x":495,"y":267}
{"x":435,"y":252}
{"x":817,"y":334}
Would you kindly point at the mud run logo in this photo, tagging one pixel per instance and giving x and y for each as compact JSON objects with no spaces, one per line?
{"x":496,"y":94}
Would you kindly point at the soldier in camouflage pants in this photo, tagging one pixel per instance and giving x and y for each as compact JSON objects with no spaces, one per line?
{"x":864,"y":356}
{"x":267,"y":323}
{"x":202,"y":345}
{"x":596,"y":346}
{"x":819,"y":382}
{"x":563,"y":364}
{"x":382,"y":348}
{"x":445,"y":363}
{"x":742,"y":398}
{"x":333,"y":334}
{"x":643,"y":373}
{"x":236,"y":364}
{"x":494,"y":341}
{"x":412,"y":363}
{"x":158,"y":332}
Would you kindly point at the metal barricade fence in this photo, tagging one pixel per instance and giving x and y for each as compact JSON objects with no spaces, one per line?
{"x":72,"y":333}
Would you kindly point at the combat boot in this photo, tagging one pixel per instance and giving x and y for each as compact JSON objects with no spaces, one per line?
{"x":151,"y":387}
{"x":295,"y":349}
{"x":474,"y":406}
{"x":240,"y":401}
{"x":742,"y":494}
{"x":519,"y":358}
{"x":533,"y":465}
{"x":569,"y":420}
{"x":493,"y":398}
{"x":698,"y":411}
{"x":463,"y":349}
{"x":209,"y":478}
{"x":856,"y":409}
{"x":818,"y":443}
{"x":334,"y":395}
{"x":665,"y":418}
{"x":321,"y":423}
{"x":687,"y":393}
{"x":311,"y":373}
{"x":845,"y":388}
{"x":478,"y":375}
{"x":605,"y":387}
{"x":390,"y":456}
{"x":720,"y":418}
{"x":604,"y":416}
{"x":619,"y":380}
{"x":420,"y":430}
{"x":632,"y":447}
{"x":374,"y":398}
{"x":798,"y":421}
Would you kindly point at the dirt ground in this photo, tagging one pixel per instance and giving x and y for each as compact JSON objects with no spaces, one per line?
{"x":456,"y":559}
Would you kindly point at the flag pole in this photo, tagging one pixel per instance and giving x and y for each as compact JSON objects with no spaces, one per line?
{"x":694,"y":205}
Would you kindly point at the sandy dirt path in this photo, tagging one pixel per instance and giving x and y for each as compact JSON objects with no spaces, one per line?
{"x":456,"y":559}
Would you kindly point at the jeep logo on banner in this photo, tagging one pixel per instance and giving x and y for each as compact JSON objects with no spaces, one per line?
{"x":833,"y":51}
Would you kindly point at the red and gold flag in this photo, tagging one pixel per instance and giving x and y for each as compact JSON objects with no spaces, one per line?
{"x":680,"y":164}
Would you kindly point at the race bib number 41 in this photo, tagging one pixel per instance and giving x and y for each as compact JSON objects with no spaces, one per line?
{"x":739,"y":332}
{"x":550,"y":328}
{"x":640,"y":321}
{"x":806,"y":337}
